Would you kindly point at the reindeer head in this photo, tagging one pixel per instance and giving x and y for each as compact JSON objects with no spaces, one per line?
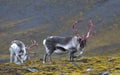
{"x":82,"y":39}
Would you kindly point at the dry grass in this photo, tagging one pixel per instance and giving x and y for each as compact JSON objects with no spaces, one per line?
{"x":98,"y":65}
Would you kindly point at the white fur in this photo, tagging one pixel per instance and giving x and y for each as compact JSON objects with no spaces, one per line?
{"x":72,"y":43}
{"x":59,"y":51}
{"x":44,"y":41}
{"x":15,"y":54}
{"x":68,"y":46}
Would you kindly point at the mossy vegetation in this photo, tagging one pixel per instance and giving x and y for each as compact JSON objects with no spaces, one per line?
{"x":55,"y":17}
{"x":97,"y":66}
{"x":57,"y":22}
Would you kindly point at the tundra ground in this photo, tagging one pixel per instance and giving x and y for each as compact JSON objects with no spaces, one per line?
{"x":83,"y":66}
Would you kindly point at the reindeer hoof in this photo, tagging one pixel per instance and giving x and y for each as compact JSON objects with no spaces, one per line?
{"x":18,"y":63}
{"x":70,"y":60}
{"x":44,"y":62}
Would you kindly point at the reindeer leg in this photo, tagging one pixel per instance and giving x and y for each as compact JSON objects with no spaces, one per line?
{"x":11,"y":57}
{"x":15,"y":59}
{"x":49,"y":55}
{"x":19,"y":59}
{"x":50,"y":59}
{"x":49,"y":50}
{"x":71,"y":57}
{"x":46,"y":55}
{"x":44,"y":60}
{"x":71,"y":54}
{"x":11,"y":54}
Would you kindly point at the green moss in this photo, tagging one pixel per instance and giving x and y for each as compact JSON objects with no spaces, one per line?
{"x":97,"y":65}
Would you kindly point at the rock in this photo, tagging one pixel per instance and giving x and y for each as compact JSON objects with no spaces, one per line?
{"x":117,"y":68}
{"x":62,"y":74}
{"x":110,"y":60}
{"x":105,"y":73}
{"x":89,"y":69}
{"x":74,"y":65}
{"x":32,"y":70}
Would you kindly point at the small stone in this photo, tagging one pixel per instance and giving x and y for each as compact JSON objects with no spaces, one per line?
{"x":62,"y":74}
{"x":32,"y":70}
{"x":105,"y":73}
{"x":117,"y":68}
{"x":110,"y":60}
{"x":74,"y":64}
{"x":89,"y":69}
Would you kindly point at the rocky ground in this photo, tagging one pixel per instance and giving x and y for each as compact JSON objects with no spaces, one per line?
{"x":85,"y":66}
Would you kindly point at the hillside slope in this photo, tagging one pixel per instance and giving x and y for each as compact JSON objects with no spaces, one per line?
{"x":37,"y":19}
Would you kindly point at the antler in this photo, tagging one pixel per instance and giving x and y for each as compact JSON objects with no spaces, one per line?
{"x":83,"y":36}
{"x":34,"y":43}
{"x":90,"y":29}
{"x":74,"y":28}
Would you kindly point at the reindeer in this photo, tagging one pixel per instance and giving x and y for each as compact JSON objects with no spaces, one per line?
{"x":55,"y":44}
{"x":19,"y":51}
